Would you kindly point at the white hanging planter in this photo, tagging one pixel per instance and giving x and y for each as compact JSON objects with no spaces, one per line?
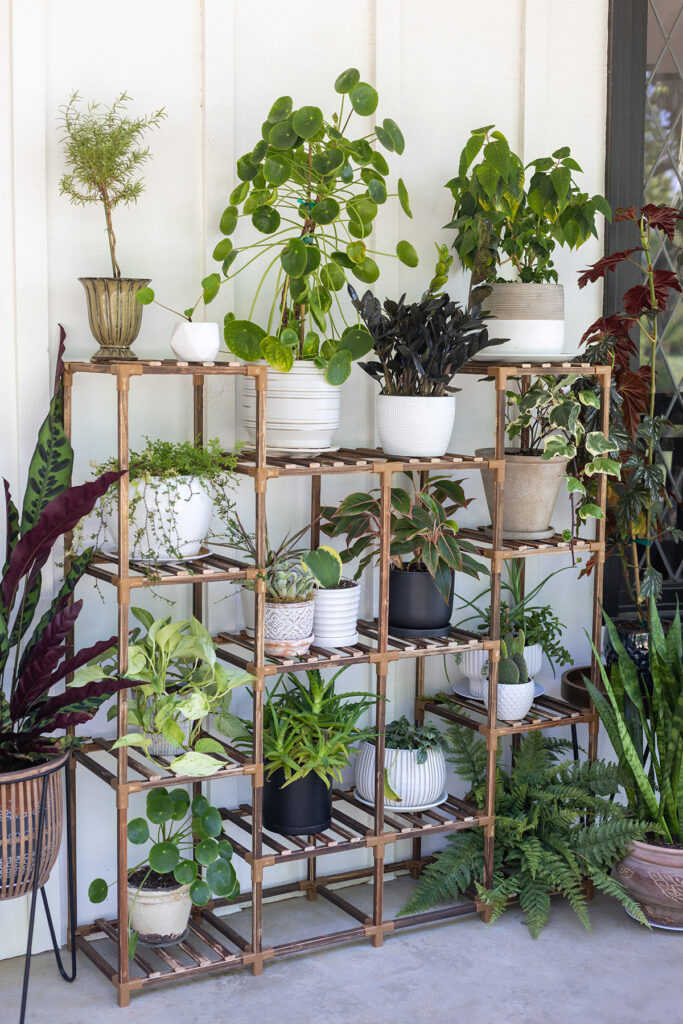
{"x":514,"y":700}
{"x":302,"y":409}
{"x":170,"y":521}
{"x":530,"y":316}
{"x":195,"y":343}
{"x":418,"y":785}
{"x":336,"y":615}
{"x":475,"y":665}
{"x":288,"y":629}
{"x":415,"y":426}
{"x":160,"y":916}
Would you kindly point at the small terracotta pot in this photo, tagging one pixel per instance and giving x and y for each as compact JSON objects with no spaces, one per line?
{"x":114,"y":314}
{"x":653,"y":876}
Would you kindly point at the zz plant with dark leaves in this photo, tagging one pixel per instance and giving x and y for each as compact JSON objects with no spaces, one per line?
{"x":33,"y":662}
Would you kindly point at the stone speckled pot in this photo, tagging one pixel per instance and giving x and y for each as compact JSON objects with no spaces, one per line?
{"x":653,"y":875}
{"x":288,"y":627}
{"x":530,"y":492}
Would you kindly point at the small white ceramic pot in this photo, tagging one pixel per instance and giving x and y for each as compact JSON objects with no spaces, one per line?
{"x":415,"y":426}
{"x":159,"y":916}
{"x":514,"y":700}
{"x":418,"y":785}
{"x":336,"y":615}
{"x":475,"y":665}
{"x":288,"y":627}
{"x":195,"y":343}
{"x":170,"y":521}
{"x":302,"y":409}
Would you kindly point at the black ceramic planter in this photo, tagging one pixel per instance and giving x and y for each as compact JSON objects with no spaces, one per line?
{"x":416,"y":608}
{"x":299,"y":809}
{"x":636,"y":641}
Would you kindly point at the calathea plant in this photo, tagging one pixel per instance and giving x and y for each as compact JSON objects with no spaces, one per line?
{"x":313,"y":191}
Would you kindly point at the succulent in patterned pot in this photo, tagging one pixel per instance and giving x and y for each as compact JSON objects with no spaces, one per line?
{"x":289,"y":610}
{"x":515,"y":688}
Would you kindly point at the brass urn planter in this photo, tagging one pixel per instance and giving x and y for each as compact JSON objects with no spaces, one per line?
{"x":114,"y":314}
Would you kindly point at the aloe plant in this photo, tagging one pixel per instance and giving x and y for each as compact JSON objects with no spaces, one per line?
{"x":646,"y":730}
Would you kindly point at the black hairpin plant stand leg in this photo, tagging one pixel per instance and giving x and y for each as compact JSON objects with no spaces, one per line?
{"x":34,"y":895}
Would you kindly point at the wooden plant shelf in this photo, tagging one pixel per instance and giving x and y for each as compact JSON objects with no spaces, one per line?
{"x":212,"y":568}
{"x":545,"y":713}
{"x":356,"y":460}
{"x":510,"y":548}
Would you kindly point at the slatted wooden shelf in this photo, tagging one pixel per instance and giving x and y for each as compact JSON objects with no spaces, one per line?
{"x":545,"y":713}
{"x":158,"y":367}
{"x":355,"y":460}
{"x":525,"y":369}
{"x":511,"y":548}
{"x":212,"y":568}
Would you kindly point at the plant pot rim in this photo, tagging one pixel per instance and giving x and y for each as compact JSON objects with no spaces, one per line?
{"x":670,"y":851}
{"x":168,"y":891}
{"x":516,"y":455}
{"x":421,"y":398}
{"x":522,"y":284}
{"x":337,"y":589}
{"x":288,"y":604}
{"x":298,"y":364}
{"x":126,"y":280}
{"x":35,"y":770}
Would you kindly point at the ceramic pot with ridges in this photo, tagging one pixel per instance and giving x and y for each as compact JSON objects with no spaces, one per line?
{"x":653,"y":876}
{"x":415,"y":426}
{"x":160,"y":747}
{"x":114,"y":314}
{"x":531,"y":318}
{"x":532,"y":486}
{"x":171,"y":521}
{"x":418,"y":785}
{"x":336,"y":615}
{"x":514,"y":700}
{"x":302,"y":409}
{"x":288,"y":627}
{"x":195,"y":342}
{"x":475,"y":665}
{"x":159,"y":916}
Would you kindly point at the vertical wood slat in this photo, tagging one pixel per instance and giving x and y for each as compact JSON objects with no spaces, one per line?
{"x":598,"y":581}
{"x":260,"y":384}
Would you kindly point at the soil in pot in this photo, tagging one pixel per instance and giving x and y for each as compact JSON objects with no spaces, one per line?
{"x":302,"y":808}
{"x":416,"y":608}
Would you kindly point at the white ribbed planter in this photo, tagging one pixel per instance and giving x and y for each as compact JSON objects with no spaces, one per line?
{"x":530,"y":316}
{"x":195,"y":343}
{"x":159,"y":747}
{"x":475,"y":665}
{"x":335,"y":616}
{"x":159,"y":916}
{"x":302,"y":409}
{"x":514,"y":700}
{"x":288,"y":627}
{"x":532,"y":485}
{"x":171,"y":521}
{"x":418,"y":785}
{"x":415,"y":426}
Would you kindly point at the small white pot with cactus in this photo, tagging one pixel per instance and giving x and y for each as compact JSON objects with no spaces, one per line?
{"x":515,"y":688}
{"x":336,"y":600}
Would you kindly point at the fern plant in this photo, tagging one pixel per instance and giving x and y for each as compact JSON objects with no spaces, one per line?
{"x":542,"y":842}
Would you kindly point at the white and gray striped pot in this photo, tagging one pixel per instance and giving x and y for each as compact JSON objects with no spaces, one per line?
{"x":418,"y":785}
{"x":302,"y":409}
{"x":414,"y":425}
{"x":335,"y":616}
{"x":531,"y":318}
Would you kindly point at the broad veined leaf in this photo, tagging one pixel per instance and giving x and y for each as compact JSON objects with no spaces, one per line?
{"x":194,"y":763}
{"x":243,"y":338}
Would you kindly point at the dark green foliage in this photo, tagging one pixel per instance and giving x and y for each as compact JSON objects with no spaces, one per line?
{"x":542,"y":844}
{"x":403,"y":735}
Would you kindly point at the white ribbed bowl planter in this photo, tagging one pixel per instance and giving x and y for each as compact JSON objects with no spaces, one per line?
{"x":514,"y":700}
{"x":530,"y":492}
{"x":418,"y":785}
{"x":174,"y":520}
{"x":159,"y":747}
{"x":195,"y":343}
{"x":415,"y":426}
{"x":159,"y":916}
{"x":530,"y":316}
{"x":475,"y":665}
{"x":335,"y":616}
{"x":302,"y":409}
{"x":288,"y":627}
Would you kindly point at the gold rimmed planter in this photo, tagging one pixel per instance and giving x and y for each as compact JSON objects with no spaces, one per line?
{"x":114,"y":314}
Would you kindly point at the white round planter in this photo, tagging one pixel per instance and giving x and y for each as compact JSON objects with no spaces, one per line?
{"x":530,"y":316}
{"x":475,"y":665}
{"x":171,"y":521}
{"x":159,"y":916}
{"x":195,"y":343}
{"x":532,"y":486}
{"x":418,"y":785}
{"x":514,"y":700}
{"x":302,"y":409}
{"x":335,"y":616}
{"x":415,"y":426}
{"x":288,"y":628}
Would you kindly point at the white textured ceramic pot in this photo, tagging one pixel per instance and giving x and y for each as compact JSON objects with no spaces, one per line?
{"x":159,"y":916}
{"x":415,"y":426}
{"x":159,"y":747}
{"x":532,"y":485}
{"x":418,"y":785}
{"x":248,"y":602}
{"x":514,"y":700}
{"x":171,"y":520}
{"x":288,"y":627}
{"x":530,"y":316}
{"x":195,"y":343}
{"x":336,"y":615}
{"x":475,"y":665}
{"x":302,"y":409}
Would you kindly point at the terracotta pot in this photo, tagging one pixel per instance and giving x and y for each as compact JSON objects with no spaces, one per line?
{"x":653,"y":876}
{"x":530,"y":316}
{"x":529,"y":494}
{"x":114,"y":314}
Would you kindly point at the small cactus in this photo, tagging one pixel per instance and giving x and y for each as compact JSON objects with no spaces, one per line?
{"x":512,"y":667}
{"x":286,"y":582}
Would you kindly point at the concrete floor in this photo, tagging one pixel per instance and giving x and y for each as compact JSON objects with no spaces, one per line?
{"x":442,"y":974}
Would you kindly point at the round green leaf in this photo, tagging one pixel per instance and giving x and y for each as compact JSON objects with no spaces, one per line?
{"x":396,"y":134}
{"x":325,"y":211}
{"x":364,"y":207}
{"x":403,"y":197}
{"x":210,"y":288}
{"x":144,"y":296}
{"x":222,"y":249}
{"x":289,"y":337}
{"x":358,"y":227}
{"x":246,"y":170}
{"x":239,"y":193}
{"x":355,"y":252}
{"x":346,"y":173}
{"x":200,"y":893}
{"x":379,"y":163}
{"x":229,"y":220}
{"x":293,"y":257}
{"x":212,"y":823}
{"x":281,"y":109}
{"x":367,"y":271}
{"x":225,"y":849}
{"x":259,"y":151}
{"x":206,"y":851}
{"x":364,"y":99}
{"x":159,"y":807}
{"x":328,"y":162}
{"x":377,"y":190}
{"x":276,"y":169}
{"x":221,"y":877}
{"x":307,"y":121}
{"x":339,"y":368}
{"x":357,"y":341}
{"x":97,"y":890}
{"x":342,"y":259}
{"x":362,"y":151}
{"x":228,"y":261}
{"x":321,"y":298}
{"x":163,"y":857}
{"x":244,"y":340}
{"x":332,"y":277}
{"x":265,"y":219}
{"x":185,"y":872}
{"x":311,"y":345}
{"x":181,"y":803}
{"x":199,"y":802}
{"x":138,"y":831}
{"x":384,"y":138}
{"x":282,"y":135}
{"x":312,"y":258}
{"x":277,"y":355}
{"x":407,"y":254}
{"x":347,"y":80}
{"x":298,"y":289}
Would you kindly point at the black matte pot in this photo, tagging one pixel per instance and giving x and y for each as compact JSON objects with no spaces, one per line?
{"x":636,"y":641}
{"x":416,"y":608}
{"x":299,"y":809}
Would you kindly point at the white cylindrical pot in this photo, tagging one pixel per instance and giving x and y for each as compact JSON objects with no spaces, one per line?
{"x":475,"y":665}
{"x":514,"y":700}
{"x":302,"y":409}
{"x":418,"y":785}
{"x":288,"y":627}
{"x":248,"y":602}
{"x":195,"y":343}
{"x":417,"y":427}
{"x":336,"y":615}
{"x":167,"y":519}
{"x":533,"y":656}
{"x":530,"y":316}
{"x":159,"y":916}
{"x":530,"y":492}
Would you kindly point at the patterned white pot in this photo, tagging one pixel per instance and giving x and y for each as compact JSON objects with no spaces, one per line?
{"x":302,"y":409}
{"x":415,"y":426}
{"x":418,"y":785}
{"x":170,"y":521}
{"x":336,"y":615}
{"x":529,"y":316}
{"x":475,"y":665}
{"x":195,"y":343}
{"x":288,"y":627}
{"x":514,"y":700}
{"x":159,"y":916}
